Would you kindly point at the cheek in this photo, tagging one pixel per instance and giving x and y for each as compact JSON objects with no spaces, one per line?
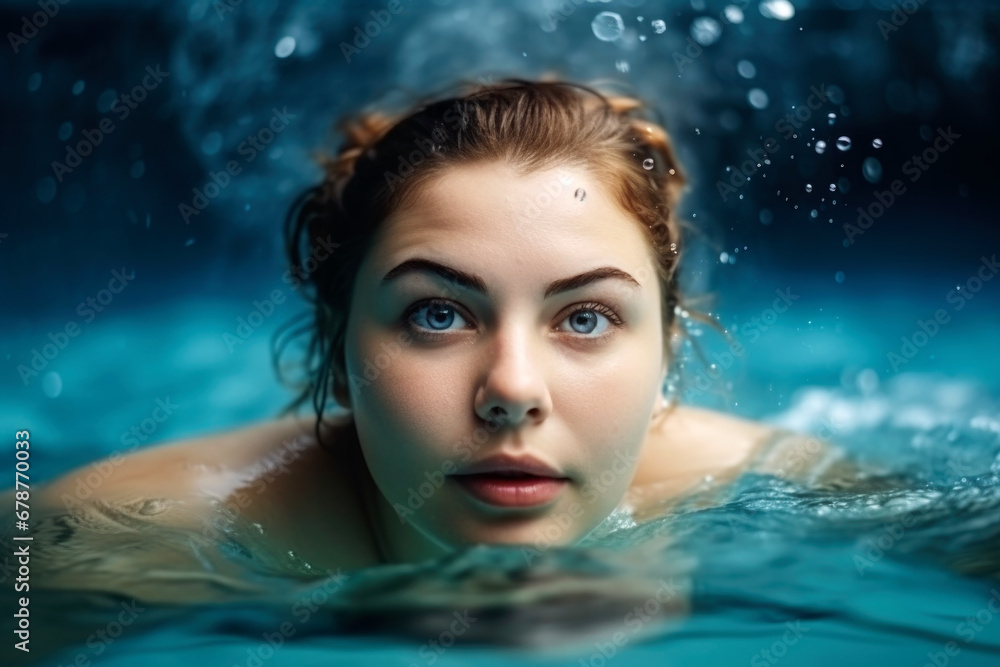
{"x":402,"y":407}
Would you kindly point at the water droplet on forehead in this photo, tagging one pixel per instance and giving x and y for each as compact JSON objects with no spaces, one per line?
{"x":648,"y":163}
{"x":580,"y":194}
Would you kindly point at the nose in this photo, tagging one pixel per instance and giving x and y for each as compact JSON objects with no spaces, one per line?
{"x":513,"y":391}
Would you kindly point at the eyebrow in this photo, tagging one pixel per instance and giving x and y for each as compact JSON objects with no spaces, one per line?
{"x":473,"y":282}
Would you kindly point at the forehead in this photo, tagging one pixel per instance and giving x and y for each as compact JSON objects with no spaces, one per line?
{"x":557,"y":217}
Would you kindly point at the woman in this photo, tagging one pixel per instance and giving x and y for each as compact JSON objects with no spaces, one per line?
{"x":494,"y":278}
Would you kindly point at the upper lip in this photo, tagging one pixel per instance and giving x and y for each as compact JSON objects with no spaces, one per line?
{"x":505,"y":463}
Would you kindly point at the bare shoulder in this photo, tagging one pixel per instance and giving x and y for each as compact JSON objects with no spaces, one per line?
{"x":689,"y":446}
{"x":186,"y":470}
{"x":158,"y":522}
{"x":689,"y":441}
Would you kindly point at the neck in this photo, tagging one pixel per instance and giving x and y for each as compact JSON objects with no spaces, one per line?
{"x":398,"y":540}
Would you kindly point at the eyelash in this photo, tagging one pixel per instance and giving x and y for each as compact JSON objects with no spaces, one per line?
{"x":428,"y":334}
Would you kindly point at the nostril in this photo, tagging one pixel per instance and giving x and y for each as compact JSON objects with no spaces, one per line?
{"x":497,"y":416}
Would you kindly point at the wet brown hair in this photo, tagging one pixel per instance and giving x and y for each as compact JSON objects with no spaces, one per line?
{"x":385,"y":159}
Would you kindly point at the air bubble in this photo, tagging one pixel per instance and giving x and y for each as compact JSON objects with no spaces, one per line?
{"x":285,"y":47}
{"x":608,"y":26}
{"x":758,"y":98}
{"x":706,"y":30}
{"x":52,"y":384}
{"x":809,"y":187}
{"x":844,"y":143}
{"x":733,"y":14}
{"x":648,"y":163}
{"x":876,"y":143}
{"x":833,"y":187}
{"x":872,"y":170}
{"x":831,"y":117}
{"x":777,"y":9}
{"x":746,"y":69}
{"x":659,"y":26}
{"x":820,"y":146}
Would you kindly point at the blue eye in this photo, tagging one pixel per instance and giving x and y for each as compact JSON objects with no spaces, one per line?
{"x":439,"y":316}
{"x":587,"y":320}
{"x":436,"y":315}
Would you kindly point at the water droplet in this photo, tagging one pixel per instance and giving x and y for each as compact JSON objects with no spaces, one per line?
{"x":724,"y":257}
{"x":833,"y":187}
{"x":608,"y":26}
{"x":580,"y":194}
{"x":831,"y":117}
{"x":777,"y":9}
{"x":622,"y":66}
{"x":642,"y":38}
{"x":839,"y":276}
{"x":814,"y":213}
{"x":189,"y":242}
{"x":673,"y":248}
{"x":877,"y":143}
{"x":34,"y":82}
{"x":658,"y":26}
{"x":820,"y":146}
{"x":697,"y":130}
{"x":706,"y":30}
{"x":809,"y":187}
{"x":285,"y":47}
{"x":746,"y":69}
{"x":844,"y":143}
{"x":65,"y":131}
{"x":648,"y":163}
{"x":758,"y":98}
{"x":872,"y":170}
{"x":79,"y":86}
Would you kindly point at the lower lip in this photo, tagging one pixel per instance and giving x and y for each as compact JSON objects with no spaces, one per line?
{"x":512,"y":491}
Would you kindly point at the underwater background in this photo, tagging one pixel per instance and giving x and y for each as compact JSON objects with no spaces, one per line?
{"x":843,"y":164}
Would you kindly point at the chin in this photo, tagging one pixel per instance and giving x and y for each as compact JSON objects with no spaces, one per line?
{"x":539,"y":532}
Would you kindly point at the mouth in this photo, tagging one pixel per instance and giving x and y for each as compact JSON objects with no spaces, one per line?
{"x":505,"y":480}
{"x":511,"y":488}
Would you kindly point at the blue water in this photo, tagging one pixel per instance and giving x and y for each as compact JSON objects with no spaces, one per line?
{"x":775,"y":573}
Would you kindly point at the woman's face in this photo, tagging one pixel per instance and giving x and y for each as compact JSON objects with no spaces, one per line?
{"x":575,"y":366}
